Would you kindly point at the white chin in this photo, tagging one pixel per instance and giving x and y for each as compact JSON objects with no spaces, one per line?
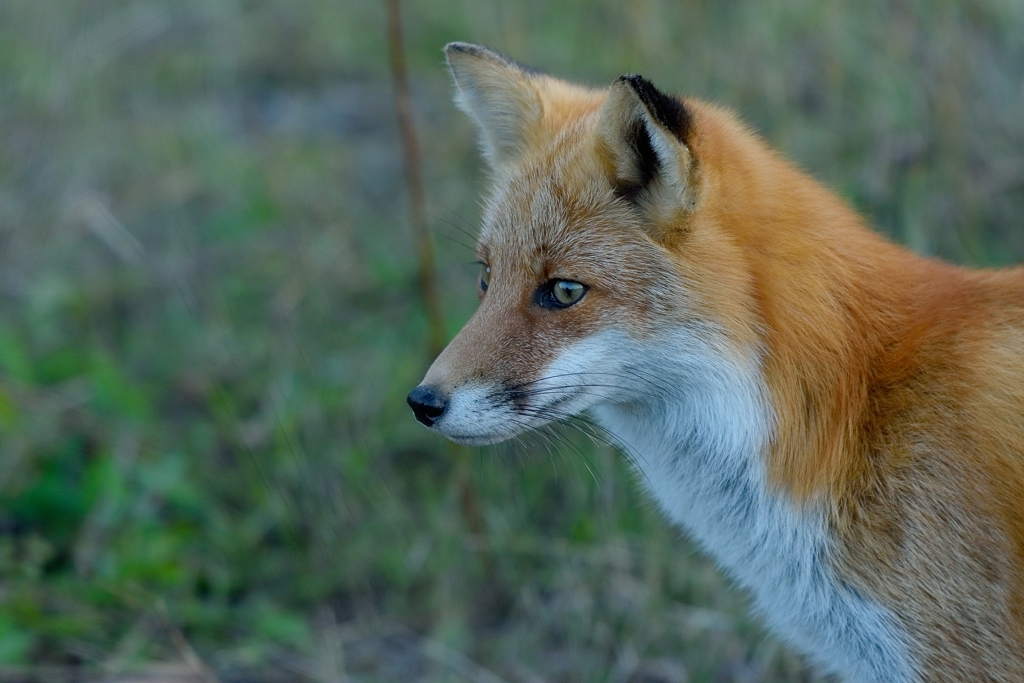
{"x":476,"y":439}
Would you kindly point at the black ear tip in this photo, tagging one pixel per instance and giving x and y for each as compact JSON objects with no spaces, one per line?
{"x":644,"y":89}
{"x":669,"y":111}
{"x":635,"y":80}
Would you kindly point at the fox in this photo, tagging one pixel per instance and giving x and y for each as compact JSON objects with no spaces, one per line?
{"x":837,"y":421}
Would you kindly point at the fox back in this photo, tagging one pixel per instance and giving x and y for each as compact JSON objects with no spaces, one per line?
{"x":836,"y":420}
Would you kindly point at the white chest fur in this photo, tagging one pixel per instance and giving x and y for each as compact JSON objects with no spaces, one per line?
{"x":699,"y":448}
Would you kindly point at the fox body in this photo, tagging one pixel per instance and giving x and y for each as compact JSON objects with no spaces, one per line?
{"x":838,"y":422}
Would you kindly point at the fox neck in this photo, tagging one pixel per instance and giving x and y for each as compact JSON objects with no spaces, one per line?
{"x":824,"y":316}
{"x":700,"y":444}
{"x":700,"y":450}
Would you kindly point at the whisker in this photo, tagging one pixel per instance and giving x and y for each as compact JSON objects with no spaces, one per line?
{"x":442,"y":235}
{"x":612,"y":439}
{"x":553,"y":414}
{"x":574,"y":449}
{"x":442,"y":219}
{"x":567,"y":387}
{"x":631,"y":375}
{"x":456,"y":214}
{"x":546,"y":442}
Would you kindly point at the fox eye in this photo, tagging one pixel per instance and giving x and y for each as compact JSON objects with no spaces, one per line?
{"x":560,"y":293}
{"x":567,"y":293}
{"x":485,"y":276}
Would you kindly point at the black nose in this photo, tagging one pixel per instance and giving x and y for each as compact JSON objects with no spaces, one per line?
{"x":427,"y":404}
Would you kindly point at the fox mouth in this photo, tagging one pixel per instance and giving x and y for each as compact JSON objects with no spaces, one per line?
{"x":522,"y":417}
{"x":478,"y":439}
{"x":500,"y":433}
{"x":543,"y":411}
{"x":512,"y":426}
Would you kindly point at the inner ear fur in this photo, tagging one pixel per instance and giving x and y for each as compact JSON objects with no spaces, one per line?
{"x":499,"y":95}
{"x":644,"y":133}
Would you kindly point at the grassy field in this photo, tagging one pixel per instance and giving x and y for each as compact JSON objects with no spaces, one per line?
{"x":209,"y":321}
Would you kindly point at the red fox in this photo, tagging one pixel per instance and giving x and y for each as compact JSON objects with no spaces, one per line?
{"x":837,"y":421}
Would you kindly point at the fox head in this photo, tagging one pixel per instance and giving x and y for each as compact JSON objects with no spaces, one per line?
{"x":593,"y":261}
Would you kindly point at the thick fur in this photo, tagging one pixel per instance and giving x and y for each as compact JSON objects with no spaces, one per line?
{"x":838,"y":421}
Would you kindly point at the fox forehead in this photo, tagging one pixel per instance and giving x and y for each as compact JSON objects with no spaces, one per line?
{"x":535,"y":219}
{"x":542,"y":198}
{"x":556,"y":216}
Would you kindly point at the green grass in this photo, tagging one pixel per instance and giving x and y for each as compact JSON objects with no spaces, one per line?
{"x":209,"y":322}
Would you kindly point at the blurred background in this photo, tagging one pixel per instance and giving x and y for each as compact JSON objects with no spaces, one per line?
{"x":210,"y":317}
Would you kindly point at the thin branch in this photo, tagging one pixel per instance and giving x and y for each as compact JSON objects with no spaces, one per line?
{"x":429,"y":287}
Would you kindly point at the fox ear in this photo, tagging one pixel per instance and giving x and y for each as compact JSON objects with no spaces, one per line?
{"x":498,"y":95}
{"x":645,"y":133}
